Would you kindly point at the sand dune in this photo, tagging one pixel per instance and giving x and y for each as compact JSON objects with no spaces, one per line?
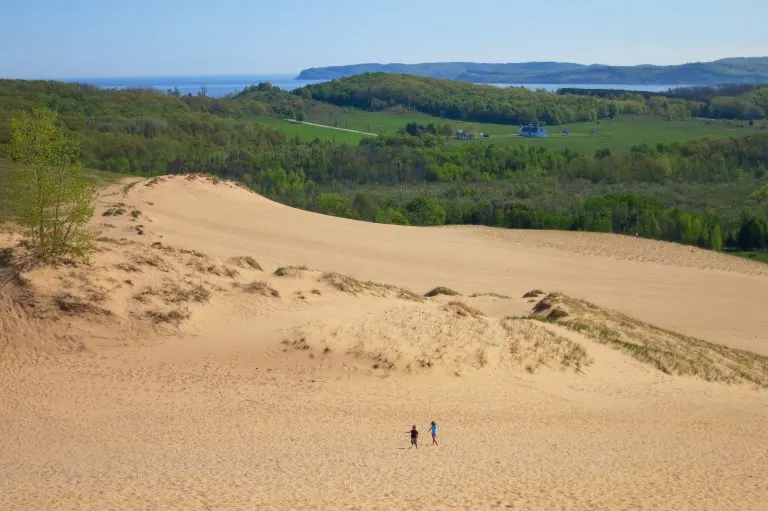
{"x":221,"y":351}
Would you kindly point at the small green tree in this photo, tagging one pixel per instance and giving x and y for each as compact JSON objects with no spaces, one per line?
{"x":53,"y":199}
{"x":716,"y":238}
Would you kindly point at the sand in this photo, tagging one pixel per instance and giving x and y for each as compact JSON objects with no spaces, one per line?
{"x":303,"y":400}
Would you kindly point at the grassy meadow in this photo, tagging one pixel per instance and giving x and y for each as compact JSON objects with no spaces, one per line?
{"x":753,"y":256}
{"x":618,"y":135}
{"x":308,"y":133}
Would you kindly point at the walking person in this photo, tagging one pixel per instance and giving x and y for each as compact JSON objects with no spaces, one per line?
{"x":433,"y":431}
{"x":414,"y":437}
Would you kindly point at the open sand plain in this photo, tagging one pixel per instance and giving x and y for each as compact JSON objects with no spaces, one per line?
{"x":221,"y":351}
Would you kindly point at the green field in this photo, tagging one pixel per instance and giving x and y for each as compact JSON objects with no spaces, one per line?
{"x":753,"y":256}
{"x":618,"y":134}
{"x":309,"y":133}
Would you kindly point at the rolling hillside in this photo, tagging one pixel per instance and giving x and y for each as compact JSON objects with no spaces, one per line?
{"x":731,"y":70}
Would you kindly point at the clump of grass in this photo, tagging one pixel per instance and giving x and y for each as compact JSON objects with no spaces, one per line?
{"x":135,"y":213}
{"x":316,"y":292}
{"x":152,"y":260}
{"x":533,"y":294}
{"x":71,"y":304}
{"x":441,"y":290}
{"x":114,"y":211}
{"x":173,"y":293}
{"x":155,"y":180}
{"x":261,"y":288}
{"x":128,"y":267}
{"x":290,"y":271}
{"x":127,"y":188}
{"x":174,"y":316}
{"x":492,"y":295}
{"x":193,"y":253}
{"x":462,"y":309}
{"x":246,"y":262}
{"x":351,"y":285}
{"x":344,"y":283}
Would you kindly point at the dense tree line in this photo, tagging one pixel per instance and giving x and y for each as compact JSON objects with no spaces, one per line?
{"x":463,"y":101}
{"x":147,"y":133}
{"x":517,"y":105}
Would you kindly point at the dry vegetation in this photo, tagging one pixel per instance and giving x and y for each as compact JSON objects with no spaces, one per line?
{"x":151,"y":260}
{"x":462,"y":309}
{"x":290,"y":271}
{"x":490,"y":295}
{"x":171,"y":292}
{"x":351,"y":285}
{"x":173,"y":316}
{"x":669,"y":352}
{"x":246,"y":262}
{"x":115,"y":210}
{"x":441,"y":290}
{"x":71,"y":304}
{"x":533,"y":346}
{"x":261,"y":288}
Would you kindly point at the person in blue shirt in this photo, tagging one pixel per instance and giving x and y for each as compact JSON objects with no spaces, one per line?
{"x":433,"y":431}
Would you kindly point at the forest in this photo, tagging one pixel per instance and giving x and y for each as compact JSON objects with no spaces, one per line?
{"x":518,"y":105}
{"x":710,"y":193}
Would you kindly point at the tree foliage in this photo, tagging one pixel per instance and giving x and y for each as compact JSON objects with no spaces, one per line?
{"x":420,"y":178}
{"x":518,"y":105}
{"x":53,"y":199}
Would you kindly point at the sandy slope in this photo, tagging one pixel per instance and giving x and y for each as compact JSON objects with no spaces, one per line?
{"x":682,"y":288}
{"x":303,"y":400}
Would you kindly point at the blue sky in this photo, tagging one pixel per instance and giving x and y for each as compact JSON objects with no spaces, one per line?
{"x":105,"y":38}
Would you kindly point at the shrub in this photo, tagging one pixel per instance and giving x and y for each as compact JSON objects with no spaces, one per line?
{"x":440,"y":290}
{"x":261,"y":288}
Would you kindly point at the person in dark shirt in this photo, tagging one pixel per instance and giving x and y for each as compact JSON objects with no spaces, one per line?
{"x":414,"y":437}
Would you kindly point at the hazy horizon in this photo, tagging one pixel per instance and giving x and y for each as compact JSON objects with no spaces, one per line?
{"x":236,"y":38}
{"x":294,"y":74}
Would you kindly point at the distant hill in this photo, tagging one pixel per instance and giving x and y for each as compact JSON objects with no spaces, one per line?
{"x":731,"y":70}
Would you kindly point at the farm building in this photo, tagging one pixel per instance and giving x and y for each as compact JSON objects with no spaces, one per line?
{"x":533,"y":131}
{"x":464,"y":135}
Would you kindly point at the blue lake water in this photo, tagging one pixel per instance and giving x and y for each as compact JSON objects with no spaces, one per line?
{"x":217,"y":86}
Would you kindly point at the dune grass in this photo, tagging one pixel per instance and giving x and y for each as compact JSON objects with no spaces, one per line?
{"x":290,"y":271}
{"x":669,"y":352}
{"x":534,"y":346}
{"x":462,"y":309}
{"x":441,"y":290}
{"x":246,"y":262}
{"x":261,"y":288}
{"x":171,"y":292}
{"x":351,"y":285}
